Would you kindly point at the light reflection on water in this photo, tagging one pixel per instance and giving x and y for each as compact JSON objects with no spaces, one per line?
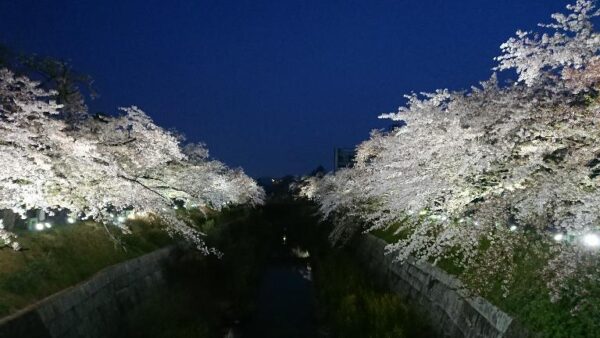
{"x":285,"y":301}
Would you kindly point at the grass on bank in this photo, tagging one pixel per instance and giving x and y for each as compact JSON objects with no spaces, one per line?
{"x":355,"y":306}
{"x":528,"y":300}
{"x":57,"y":258}
{"x":54,"y":259}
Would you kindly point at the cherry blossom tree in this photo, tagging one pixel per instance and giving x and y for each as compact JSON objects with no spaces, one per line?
{"x":107,"y":165}
{"x":498,"y":165}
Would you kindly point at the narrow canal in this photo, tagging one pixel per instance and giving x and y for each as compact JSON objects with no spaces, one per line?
{"x":285,"y":300}
{"x":278,"y":277}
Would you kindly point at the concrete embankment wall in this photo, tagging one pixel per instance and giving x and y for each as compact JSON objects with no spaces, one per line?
{"x":451,"y":311}
{"x":96,"y":307}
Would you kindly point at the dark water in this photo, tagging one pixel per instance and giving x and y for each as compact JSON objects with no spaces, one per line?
{"x":285,"y":305}
{"x":285,"y":302}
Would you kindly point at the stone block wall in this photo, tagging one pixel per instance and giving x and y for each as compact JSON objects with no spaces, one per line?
{"x":94,"y":308}
{"x":450,"y":309}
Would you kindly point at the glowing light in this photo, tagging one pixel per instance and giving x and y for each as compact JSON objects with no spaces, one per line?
{"x":513,"y":228}
{"x":300,"y":253}
{"x":284,"y":238}
{"x":175,"y":207}
{"x":48,"y":225}
{"x":559,"y":237}
{"x":39,"y":226}
{"x":591,"y":240}
{"x":70,"y":220}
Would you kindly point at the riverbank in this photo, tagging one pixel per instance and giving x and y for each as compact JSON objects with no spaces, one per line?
{"x":208,"y":296}
{"x":53,"y":260}
{"x":67,"y":254}
{"x":346,"y":300}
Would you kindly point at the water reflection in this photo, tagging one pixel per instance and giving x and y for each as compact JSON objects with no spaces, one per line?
{"x":300,"y":253}
{"x":285,"y":301}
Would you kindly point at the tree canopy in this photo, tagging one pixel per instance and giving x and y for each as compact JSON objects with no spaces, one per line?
{"x":473,"y":175}
{"x":106,"y":165}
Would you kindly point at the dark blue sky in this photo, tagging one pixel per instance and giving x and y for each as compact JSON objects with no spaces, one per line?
{"x":271,"y":86}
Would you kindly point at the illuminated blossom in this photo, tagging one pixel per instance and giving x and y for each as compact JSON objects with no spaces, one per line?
{"x":106,"y":165}
{"x":495,"y":165}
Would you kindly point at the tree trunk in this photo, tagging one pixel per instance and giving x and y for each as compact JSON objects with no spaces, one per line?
{"x":8,"y":218}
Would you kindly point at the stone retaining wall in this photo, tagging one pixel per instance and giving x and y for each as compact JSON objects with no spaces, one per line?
{"x":94,"y":308}
{"x":451,"y":311}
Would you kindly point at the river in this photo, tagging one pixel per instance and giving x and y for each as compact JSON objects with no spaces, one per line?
{"x":285,"y":300}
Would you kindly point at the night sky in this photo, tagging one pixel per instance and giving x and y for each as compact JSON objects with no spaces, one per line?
{"x":271,"y":86}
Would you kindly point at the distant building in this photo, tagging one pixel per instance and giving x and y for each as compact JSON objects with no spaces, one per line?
{"x":343,"y":158}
